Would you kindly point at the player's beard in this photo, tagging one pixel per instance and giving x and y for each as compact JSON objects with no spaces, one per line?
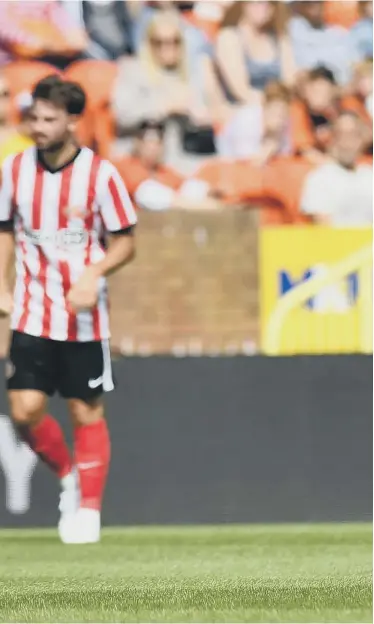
{"x":53,"y":148}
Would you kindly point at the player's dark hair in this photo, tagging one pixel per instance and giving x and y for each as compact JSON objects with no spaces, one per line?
{"x":62,"y":93}
{"x":322,"y":73}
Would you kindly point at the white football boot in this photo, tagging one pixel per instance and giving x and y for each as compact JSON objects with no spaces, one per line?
{"x":83,"y":527}
{"x":69,"y":500}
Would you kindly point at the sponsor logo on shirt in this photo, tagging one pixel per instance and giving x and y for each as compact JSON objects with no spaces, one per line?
{"x":75,"y":212}
{"x":67,"y":238}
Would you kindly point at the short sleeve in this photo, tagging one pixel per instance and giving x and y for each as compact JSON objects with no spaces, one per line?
{"x":116,"y":208}
{"x":6,"y":191}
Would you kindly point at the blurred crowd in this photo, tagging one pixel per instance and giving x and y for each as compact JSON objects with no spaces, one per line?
{"x":209,"y":105}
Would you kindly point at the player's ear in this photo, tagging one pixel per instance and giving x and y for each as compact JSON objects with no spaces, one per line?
{"x":73,"y":122}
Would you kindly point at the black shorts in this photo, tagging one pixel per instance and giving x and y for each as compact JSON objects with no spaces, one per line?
{"x":76,"y":370}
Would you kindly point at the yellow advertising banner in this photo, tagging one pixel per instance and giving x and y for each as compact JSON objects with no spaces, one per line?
{"x":316,"y":290}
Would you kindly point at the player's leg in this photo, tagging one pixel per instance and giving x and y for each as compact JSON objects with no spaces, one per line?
{"x":41,"y":432}
{"x":89,"y":375}
{"x":91,"y":448}
{"x":92,"y":457}
{"x":30,"y":381}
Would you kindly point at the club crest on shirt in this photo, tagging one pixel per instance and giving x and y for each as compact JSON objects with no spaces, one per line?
{"x":75,"y":212}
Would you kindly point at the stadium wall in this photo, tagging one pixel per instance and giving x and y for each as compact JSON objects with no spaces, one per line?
{"x":218,"y":440}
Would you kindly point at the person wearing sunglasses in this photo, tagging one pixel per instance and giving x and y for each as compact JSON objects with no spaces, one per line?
{"x":196,"y":40}
{"x":160,"y":84}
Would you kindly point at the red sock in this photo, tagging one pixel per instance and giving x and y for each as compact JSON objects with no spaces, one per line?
{"x":47,"y":441}
{"x":92,"y":456}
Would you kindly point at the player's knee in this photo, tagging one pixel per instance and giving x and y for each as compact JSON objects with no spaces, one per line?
{"x":86,"y":413}
{"x":27,"y":408}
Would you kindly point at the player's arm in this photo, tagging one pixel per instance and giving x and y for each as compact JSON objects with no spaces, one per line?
{"x":6,"y":254}
{"x":119,"y":218}
{"x":6,"y":239}
{"x":121,"y":250}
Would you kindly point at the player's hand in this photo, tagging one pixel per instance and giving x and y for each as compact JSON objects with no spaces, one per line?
{"x":6,"y":304}
{"x":83,"y":294}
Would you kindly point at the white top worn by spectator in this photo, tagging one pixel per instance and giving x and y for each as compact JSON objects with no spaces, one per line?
{"x":341,"y":196}
{"x":243,"y":135}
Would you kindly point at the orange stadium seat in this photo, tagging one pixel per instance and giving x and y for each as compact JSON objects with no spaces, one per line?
{"x":283,"y":181}
{"x":86,"y":129}
{"x":229,"y":179}
{"x":96,"y":78}
{"x":104,"y":130}
{"x":22,"y":75}
{"x":134,"y":172}
{"x":357,"y":105}
{"x":96,"y":127}
{"x":209,"y":28}
{"x":276,"y":187}
{"x":303,"y":134}
{"x":241,"y":182}
{"x":341,"y":13}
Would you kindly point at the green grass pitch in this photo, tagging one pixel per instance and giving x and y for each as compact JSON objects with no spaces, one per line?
{"x":308,"y":573}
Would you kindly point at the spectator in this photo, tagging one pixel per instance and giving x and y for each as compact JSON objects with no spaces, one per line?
{"x":254,"y":52}
{"x":259,"y":132}
{"x":196,"y":42}
{"x":108,"y":25}
{"x":362,"y":32}
{"x":316,"y":44}
{"x":361,"y":99}
{"x":18,"y":137}
{"x":150,"y":183}
{"x":39,"y":29}
{"x":159,"y":85}
{"x":313,"y":114}
{"x":340,"y":193}
{"x":153,"y":185}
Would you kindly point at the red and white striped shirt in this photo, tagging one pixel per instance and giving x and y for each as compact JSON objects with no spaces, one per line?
{"x":59,"y":220}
